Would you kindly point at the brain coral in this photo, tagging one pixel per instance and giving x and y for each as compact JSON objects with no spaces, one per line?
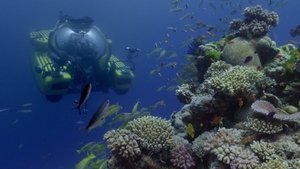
{"x":123,"y":143}
{"x":155,"y":133}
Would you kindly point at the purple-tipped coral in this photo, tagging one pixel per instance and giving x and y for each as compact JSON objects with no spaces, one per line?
{"x":256,"y":23}
{"x":181,"y":157}
{"x":267,"y":109}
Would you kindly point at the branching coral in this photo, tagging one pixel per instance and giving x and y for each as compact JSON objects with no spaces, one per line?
{"x":237,"y":79}
{"x":184,"y":93}
{"x":256,"y":23}
{"x":181,"y":157}
{"x":198,"y":144}
{"x":264,"y":150}
{"x":274,"y":164}
{"x":261,"y":126}
{"x":222,"y":136}
{"x":227,"y":153}
{"x":123,"y":143}
{"x":245,"y":160}
{"x":155,"y":133}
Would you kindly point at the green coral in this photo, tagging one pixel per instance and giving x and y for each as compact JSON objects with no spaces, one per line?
{"x":291,"y":56}
{"x":155,"y":133}
{"x":274,"y":164}
{"x":212,"y":53}
{"x":237,"y":79}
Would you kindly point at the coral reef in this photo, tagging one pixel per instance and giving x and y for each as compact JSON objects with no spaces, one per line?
{"x":155,"y":133}
{"x":237,"y":79}
{"x":262,"y":126}
{"x":265,"y":150}
{"x":274,"y":164}
{"x":123,"y":144}
{"x":256,"y":23}
{"x":184,"y":93}
{"x":181,"y":157}
{"x":246,"y":159}
{"x":244,"y":114}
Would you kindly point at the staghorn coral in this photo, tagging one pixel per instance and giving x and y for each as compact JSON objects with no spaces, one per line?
{"x":274,"y":164}
{"x":286,"y":148}
{"x":245,"y":160}
{"x":261,"y":126}
{"x":237,"y":79}
{"x":264,"y":150}
{"x":227,"y":153}
{"x":122,"y":143}
{"x":265,"y":107}
{"x":155,"y":133}
{"x":181,"y":157}
{"x":256,"y":23}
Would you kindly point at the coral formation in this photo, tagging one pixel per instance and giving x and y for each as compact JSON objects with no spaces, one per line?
{"x":265,"y":108}
{"x":256,"y":23}
{"x":155,"y":133}
{"x":237,"y":51}
{"x":274,"y":164}
{"x":123,"y":144}
{"x":184,"y":93}
{"x":181,"y":157}
{"x":246,"y":159}
{"x":264,"y":150}
{"x":236,"y":80}
{"x":226,"y":153}
{"x":262,"y":126}
{"x":244,"y":114}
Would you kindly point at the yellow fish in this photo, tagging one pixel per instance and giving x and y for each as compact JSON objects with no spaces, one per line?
{"x":84,"y":163}
{"x":190,"y":130}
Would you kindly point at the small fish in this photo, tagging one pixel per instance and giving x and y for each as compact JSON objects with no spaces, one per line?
{"x":162,"y":53}
{"x":216,"y":120}
{"x":248,"y":59}
{"x":84,"y":163}
{"x":86,"y":147}
{"x":187,"y":16}
{"x":190,"y":130}
{"x":135,"y":107}
{"x":26,"y":105}
{"x":97,"y":117}
{"x":4,"y":110}
{"x":15,"y":122}
{"x":270,"y":116}
{"x":154,"y":51}
{"x":85,"y":93}
{"x":171,"y":28}
{"x":79,"y":122}
{"x":176,"y":9}
{"x":210,"y":28}
{"x":20,"y":146}
{"x":240,"y":102}
{"x":161,"y":88}
{"x":25,"y":111}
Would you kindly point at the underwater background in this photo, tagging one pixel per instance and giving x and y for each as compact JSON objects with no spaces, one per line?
{"x":46,"y":135}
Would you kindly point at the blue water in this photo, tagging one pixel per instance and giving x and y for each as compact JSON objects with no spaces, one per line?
{"x":47,"y":137}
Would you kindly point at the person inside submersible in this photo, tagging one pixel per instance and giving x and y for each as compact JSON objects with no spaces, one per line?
{"x":75,"y":53}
